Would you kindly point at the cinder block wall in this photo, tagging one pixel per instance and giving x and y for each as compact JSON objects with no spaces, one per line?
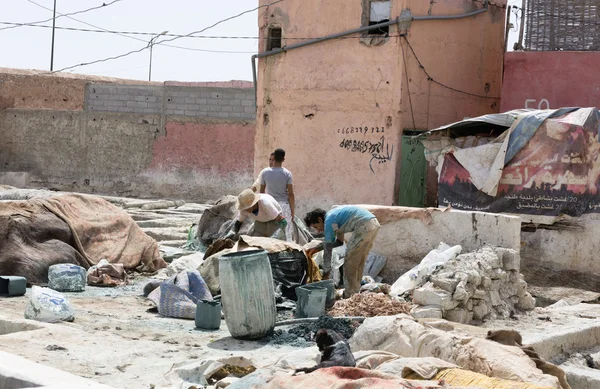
{"x":226,"y":103}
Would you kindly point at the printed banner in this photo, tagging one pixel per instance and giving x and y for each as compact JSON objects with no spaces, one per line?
{"x":556,"y":172}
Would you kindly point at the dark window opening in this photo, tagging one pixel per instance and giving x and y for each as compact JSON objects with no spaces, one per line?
{"x":274,"y":38}
{"x":380,"y":30}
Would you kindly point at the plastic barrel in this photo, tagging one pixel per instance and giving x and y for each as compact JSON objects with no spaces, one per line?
{"x":247,"y":294}
{"x":208,"y":315}
{"x":311,"y":301}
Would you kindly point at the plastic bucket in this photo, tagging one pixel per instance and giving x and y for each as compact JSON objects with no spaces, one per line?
{"x":311,"y":301}
{"x":330,"y":286}
{"x":12,"y":286}
{"x":208,"y":315}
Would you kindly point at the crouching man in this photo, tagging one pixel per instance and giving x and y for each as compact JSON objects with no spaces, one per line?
{"x":263,"y":209}
{"x":341,"y":220}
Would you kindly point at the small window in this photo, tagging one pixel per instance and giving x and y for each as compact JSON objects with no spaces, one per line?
{"x":379,"y":12}
{"x":274,"y":38}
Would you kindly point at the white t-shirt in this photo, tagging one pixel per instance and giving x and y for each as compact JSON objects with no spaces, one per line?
{"x":268,"y":209}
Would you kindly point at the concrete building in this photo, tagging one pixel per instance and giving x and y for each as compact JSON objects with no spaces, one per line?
{"x":343,"y":108}
{"x":192,"y":141}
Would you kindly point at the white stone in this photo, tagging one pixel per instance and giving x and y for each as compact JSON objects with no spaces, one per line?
{"x":496,"y":285}
{"x":486,"y":282}
{"x":511,"y":260}
{"x":428,"y":311}
{"x":447,"y":284}
{"x":470,"y":305}
{"x":495,"y":298}
{"x":461,"y":293}
{"x":480,"y":311}
{"x":526,"y":302}
{"x":479,"y":294}
{"x":428,"y":295}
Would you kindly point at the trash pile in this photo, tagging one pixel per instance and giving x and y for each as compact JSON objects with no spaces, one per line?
{"x":477,"y":286}
{"x":303,"y":335}
{"x":369,"y":304}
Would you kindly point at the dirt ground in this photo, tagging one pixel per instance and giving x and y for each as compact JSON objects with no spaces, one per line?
{"x":115,"y":341}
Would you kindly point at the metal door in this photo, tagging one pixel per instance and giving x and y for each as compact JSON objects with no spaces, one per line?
{"x":413,"y":169}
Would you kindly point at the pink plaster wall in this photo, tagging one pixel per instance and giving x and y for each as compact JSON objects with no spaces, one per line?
{"x":215,"y":157}
{"x":550,"y":80}
{"x":306,"y":95}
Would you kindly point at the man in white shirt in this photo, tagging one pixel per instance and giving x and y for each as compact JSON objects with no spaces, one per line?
{"x":277,"y":182}
{"x":263,"y":209}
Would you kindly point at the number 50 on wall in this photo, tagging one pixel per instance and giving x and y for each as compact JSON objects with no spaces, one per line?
{"x":543,"y":104}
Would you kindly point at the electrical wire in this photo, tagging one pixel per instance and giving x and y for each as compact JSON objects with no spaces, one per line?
{"x":408,"y":88}
{"x":166,"y":40}
{"x":62,"y":15}
{"x":101,"y":29}
{"x":439,"y":83}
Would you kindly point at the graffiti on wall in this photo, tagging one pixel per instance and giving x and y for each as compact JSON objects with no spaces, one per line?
{"x":534,"y":104}
{"x":379,"y":149}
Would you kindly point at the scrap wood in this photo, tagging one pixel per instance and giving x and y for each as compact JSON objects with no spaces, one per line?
{"x":369,"y":305}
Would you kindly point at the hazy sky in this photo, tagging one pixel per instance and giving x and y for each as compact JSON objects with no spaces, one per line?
{"x":29,"y":47}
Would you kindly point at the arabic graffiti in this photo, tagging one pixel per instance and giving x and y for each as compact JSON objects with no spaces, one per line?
{"x":379,"y":151}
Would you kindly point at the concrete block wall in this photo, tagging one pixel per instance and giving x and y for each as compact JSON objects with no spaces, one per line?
{"x":174,"y":100}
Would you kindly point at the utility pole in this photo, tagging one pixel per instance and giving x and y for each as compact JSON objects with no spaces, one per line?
{"x":53,"y":29}
{"x":151,"y":44}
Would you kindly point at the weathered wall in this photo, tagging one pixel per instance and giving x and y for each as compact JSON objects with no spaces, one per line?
{"x":316,"y":101}
{"x":126,"y":154}
{"x":229,"y":103}
{"x":575,"y":250}
{"x":550,"y":80}
{"x":407,"y":241}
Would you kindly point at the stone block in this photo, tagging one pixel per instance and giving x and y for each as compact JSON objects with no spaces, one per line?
{"x":247,"y":103}
{"x":479,"y":294}
{"x":67,"y":278}
{"x":427,"y":311}
{"x":427,"y":295}
{"x":459,"y":316}
{"x":461,"y":293}
{"x":495,"y":285}
{"x":447,"y":284}
{"x":511,"y":260}
{"x":526,"y":302}
{"x":480,"y":311}
{"x":495,"y":298}
{"x":486,"y":282}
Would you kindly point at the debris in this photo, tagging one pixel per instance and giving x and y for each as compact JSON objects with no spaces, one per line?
{"x":107,"y":274}
{"x":303,"y":335}
{"x":53,"y":347}
{"x":49,"y":306}
{"x":162,"y":204}
{"x":369,"y":304}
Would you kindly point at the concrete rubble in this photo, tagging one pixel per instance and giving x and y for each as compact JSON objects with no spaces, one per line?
{"x":474,"y":287}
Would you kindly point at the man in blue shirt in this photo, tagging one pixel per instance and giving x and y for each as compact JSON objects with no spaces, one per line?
{"x":341,"y":220}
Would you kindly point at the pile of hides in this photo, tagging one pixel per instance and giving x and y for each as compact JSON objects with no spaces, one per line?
{"x":178,"y":296}
{"x":289,"y":264}
{"x":217,"y":220}
{"x":403,"y":336}
{"x":77,"y":229}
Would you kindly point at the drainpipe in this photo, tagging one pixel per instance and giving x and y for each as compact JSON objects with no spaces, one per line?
{"x":405,"y":18}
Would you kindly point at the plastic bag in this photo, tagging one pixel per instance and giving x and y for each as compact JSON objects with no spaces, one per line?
{"x":374,"y":264}
{"x":48,"y":306}
{"x":415,"y":276}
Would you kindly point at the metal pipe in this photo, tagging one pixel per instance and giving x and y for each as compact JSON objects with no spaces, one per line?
{"x":312,"y":42}
{"x":451,"y":17}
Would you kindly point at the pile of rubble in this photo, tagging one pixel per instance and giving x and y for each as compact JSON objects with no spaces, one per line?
{"x":475,"y":286}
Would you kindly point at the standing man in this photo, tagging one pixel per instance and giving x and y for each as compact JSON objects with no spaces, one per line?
{"x":341,"y":220}
{"x":257,"y":183}
{"x":277,"y":182}
{"x":263,"y":209}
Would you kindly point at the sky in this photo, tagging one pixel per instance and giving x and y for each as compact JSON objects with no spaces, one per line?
{"x":30,"y":47}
